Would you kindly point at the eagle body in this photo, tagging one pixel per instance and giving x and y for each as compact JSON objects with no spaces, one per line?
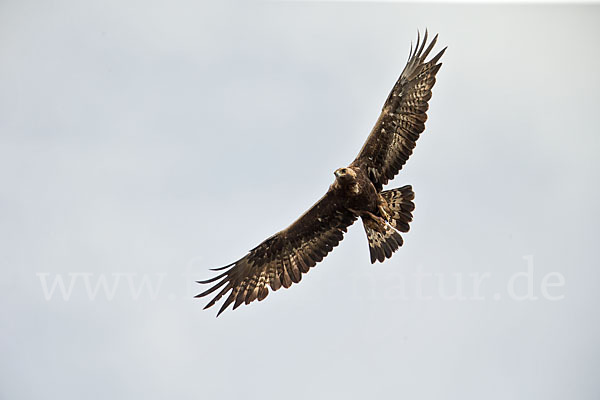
{"x":357,"y":192}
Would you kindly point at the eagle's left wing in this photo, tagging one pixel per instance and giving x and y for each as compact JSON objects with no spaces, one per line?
{"x":403,"y":117}
{"x":284,"y":257}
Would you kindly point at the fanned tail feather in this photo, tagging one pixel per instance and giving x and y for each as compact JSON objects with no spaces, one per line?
{"x":382,"y":245}
{"x":400,"y":206}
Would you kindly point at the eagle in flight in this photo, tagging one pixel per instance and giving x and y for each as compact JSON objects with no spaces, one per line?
{"x":356,"y":192}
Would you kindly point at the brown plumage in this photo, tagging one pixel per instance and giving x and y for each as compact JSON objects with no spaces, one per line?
{"x":356,"y":192}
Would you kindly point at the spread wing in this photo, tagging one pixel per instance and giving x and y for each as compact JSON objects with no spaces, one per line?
{"x":403,"y":117}
{"x":284,"y":257}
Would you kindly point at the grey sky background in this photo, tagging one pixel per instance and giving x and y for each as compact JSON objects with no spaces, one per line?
{"x":150,"y":140}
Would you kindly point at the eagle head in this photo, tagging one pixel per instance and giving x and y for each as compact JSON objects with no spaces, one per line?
{"x":345,"y":175}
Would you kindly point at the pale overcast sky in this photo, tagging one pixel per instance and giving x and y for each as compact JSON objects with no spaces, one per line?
{"x":143,"y":142}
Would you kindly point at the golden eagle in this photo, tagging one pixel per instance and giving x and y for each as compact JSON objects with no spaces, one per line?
{"x":356,"y":192}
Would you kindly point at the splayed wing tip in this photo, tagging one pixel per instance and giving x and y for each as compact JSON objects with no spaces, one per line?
{"x":224,"y":267}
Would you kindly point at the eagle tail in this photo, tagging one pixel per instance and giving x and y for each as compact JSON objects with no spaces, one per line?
{"x":382,"y":243}
{"x":385,"y":240}
{"x":400,"y":205}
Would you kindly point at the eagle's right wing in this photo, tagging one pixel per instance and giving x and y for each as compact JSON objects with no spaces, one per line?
{"x":282,"y":259}
{"x":403,"y":117}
